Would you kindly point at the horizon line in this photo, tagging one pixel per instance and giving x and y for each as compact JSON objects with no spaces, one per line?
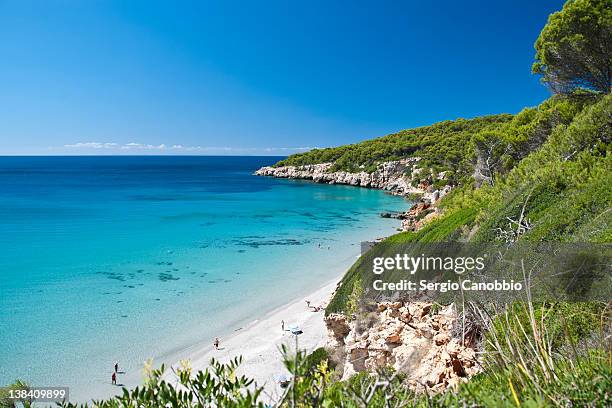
{"x":144,"y":155}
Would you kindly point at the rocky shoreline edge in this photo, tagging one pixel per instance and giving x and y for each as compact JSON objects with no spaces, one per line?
{"x":401,"y":177}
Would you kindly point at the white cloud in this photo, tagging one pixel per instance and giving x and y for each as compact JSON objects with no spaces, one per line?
{"x":110,"y":147}
{"x":93,"y":145}
{"x":141,"y":146}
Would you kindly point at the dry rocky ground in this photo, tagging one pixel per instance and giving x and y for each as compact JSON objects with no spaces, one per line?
{"x":408,"y":337}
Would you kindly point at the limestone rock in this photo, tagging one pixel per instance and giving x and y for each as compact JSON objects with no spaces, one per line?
{"x":410,"y":338}
{"x":337,"y":326}
{"x":388,"y":176}
{"x":441,"y":338}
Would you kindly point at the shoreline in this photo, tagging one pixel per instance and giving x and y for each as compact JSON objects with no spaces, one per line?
{"x":258,"y":342}
{"x":263,"y":361}
{"x":388,"y":176}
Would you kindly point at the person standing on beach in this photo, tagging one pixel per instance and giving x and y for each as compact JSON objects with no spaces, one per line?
{"x":216,"y":343}
{"x":282,"y":325}
{"x":116,"y":366}
{"x":308,"y":303}
{"x":114,"y":379}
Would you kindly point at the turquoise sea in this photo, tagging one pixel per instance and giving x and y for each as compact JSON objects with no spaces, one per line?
{"x":126,"y":258}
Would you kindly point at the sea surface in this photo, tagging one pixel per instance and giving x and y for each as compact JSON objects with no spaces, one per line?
{"x":129,"y":258}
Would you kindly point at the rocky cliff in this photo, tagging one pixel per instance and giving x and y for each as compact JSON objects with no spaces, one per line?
{"x":391,"y":176}
{"x":394,"y":176}
{"x":408,"y":337}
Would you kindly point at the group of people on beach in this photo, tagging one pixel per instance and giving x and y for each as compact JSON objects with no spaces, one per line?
{"x":310,"y":307}
{"x":314,"y":308}
{"x":216,"y":341}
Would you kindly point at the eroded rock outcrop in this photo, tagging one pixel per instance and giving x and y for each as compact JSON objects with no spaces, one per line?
{"x":423,"y":211}
{"x":409,"y":338}
{"x":337,"y":327}
{"x":391,"y":176}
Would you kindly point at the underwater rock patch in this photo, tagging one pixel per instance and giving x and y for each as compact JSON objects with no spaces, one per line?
{"x":269,"y":242}
{"x":165,"y":277}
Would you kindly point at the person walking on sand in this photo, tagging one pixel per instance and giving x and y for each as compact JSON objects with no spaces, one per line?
{"x":308,"y":303}
{"x":282,"y":325}
{"x":216,"y":343}
{"x":116,"y":366}
{"x":114,"y":379}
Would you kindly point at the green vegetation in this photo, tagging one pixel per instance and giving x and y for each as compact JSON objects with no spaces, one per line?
{"x":573,"y":56}
{"x":544,"y":174}
{"x":443,"y":146}
{"x":538,"y":354}
{"x":218,"y":386}
{"x":574,"y":50}
{"x":585,"y":382}
{"x":547,"y":354}
{"x":352,"y":303}
{"x":314,"y":359}
{"x":562,"y":189}
{"x":6,"y":402}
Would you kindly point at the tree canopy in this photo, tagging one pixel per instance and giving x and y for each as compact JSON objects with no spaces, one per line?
{"x":574,"y":50}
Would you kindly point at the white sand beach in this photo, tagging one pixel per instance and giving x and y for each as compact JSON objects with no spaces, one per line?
{"x":259,"y":343}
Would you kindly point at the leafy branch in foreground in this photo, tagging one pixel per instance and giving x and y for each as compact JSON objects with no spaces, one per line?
{"x":217,"y":386}
{"x":6,"y":402}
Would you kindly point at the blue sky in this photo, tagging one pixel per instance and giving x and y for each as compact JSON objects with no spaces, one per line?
{"x":241,"y":77}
